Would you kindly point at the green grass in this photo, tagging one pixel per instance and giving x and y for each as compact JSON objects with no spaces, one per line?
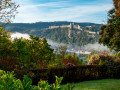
{"x":105,"y":84}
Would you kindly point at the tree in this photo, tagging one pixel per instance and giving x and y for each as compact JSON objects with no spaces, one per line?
{"x":5,"y":43}
{"x":40,"y":50}
{"x":8,"y":10}
{"x":61,"y":50}
{"x":21,"y":50}
{"x":110,"y":33}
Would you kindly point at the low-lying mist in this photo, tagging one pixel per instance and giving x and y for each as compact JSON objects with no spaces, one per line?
{"x":96,"y":46}
{"x":88,"y":47}
{"x":19,"y":35}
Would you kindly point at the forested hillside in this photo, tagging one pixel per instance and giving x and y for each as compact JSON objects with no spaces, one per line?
{"x":79,"y":38}
{"x":47,"y":24}
{"x":60,"y":35}
{"x":42,"y":25}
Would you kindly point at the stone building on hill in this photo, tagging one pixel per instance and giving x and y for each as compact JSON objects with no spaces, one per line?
{"x":71,"y":26}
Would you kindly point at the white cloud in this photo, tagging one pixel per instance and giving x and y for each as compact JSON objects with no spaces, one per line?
{"x":58,"y":11}
{"x":78,"y":11}
{"x":19,"y":35}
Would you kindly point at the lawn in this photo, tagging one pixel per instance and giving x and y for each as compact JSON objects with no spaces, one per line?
{"x":105,"y":84}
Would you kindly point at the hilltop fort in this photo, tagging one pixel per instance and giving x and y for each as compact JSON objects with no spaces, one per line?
{"x":71,"y":26}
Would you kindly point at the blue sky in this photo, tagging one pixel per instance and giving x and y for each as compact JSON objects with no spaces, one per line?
{"x":31,"y":11}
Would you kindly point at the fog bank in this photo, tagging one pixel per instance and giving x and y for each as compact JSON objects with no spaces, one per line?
{"x":19,"y":35}
{"x":88,"y":47}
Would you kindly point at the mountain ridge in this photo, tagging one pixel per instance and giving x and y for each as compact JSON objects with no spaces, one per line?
{"x":42,"y":25}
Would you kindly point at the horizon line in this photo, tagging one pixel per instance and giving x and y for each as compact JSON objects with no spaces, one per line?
{"x":54,"y":21}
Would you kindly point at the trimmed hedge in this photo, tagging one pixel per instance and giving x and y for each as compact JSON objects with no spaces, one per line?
{"x":71,"y":74}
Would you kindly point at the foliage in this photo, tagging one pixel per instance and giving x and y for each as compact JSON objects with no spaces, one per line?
{"x":71,"y":60}
{"x":38,"y":26}
{"x":69,"y":86}
{"x":23,"y":51}
{"x":89,"y":56}
{"x":93,"y":28}
{"x":57,"y":62}
{"x":95,"y":59}
{"x":110,"y":32}
{"x":4,"y":43}
{"x":74,"y":74}
{"x":33,"y":51}
{"x":117,"y":54}
{"x":60,"y":35}
{"x":8,"y":10}
{"x":44,"y":85}
{"x":67,"y":60}
{"x":9,"y":82}
{"x":61,"y":50}
{"x":40,"y":50}
{"x":102,"y":59}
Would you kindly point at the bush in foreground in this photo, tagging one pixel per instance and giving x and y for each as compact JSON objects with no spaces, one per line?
{"x":9,"y":82}
{"x":102,"y":59}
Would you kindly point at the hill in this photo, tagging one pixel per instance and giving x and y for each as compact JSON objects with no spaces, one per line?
{"x":42,"y":25}
{"x":75,"y":37}
{"x":60,"y":35}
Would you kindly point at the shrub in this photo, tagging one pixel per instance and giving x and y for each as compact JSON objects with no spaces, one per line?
{"x":102,"y":58}
{"x":44,"y":85}
{"x":110,"y":62}
{"x":94,"y":60}
{"x":117,"y":54}
{"x":89,"y":56}
{"x":9,"y":82}
{"x":71,"y":60}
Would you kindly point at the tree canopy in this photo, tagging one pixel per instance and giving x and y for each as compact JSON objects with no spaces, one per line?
{"x":110,"y":33}
{"x":23,"y":50}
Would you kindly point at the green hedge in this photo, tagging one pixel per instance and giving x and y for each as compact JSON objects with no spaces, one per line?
{"x":71,"y":74}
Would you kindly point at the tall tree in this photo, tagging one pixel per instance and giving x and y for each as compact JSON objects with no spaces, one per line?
{"x":40,"y":50}
{"x":110,"y":33}
{"x":21,"y":50}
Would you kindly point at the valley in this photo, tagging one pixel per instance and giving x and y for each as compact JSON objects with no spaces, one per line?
{"x":74,"y":35}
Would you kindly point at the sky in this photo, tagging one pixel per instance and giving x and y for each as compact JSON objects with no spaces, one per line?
{"x":31,"y":11}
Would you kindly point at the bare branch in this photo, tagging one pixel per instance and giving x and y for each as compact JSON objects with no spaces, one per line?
{"x":8,"y":10}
